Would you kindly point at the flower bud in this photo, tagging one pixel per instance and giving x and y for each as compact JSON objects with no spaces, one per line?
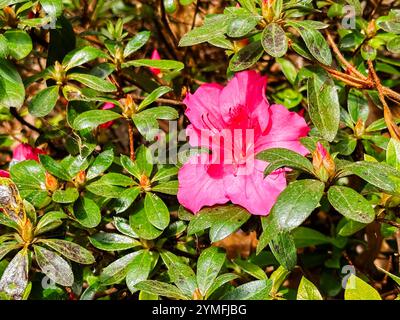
{"x":51,"y":182}
{"x":324,"y":166}
{"x":145,"y":183}
{"x":129,"y":107}
{"x":267,"y":10}
{"x":359,"y":128}
{"x":80,"y":178}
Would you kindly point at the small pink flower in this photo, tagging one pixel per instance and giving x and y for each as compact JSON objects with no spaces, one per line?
{"x":106,"y":106}
{"x":231,"y":172}
{"x":25,"y":152}
{"x":155,"y":56}
{"x":4,"y":174}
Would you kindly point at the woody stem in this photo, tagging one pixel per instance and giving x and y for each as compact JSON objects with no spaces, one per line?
{"x":131,"y":140}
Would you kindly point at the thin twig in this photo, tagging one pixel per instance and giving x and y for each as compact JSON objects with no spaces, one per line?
{"x":131,"y":140}
{"x":387,"y":115}
{"x":390,"y":222}
{"x":342,"y":59}
{"x":16,"y":115}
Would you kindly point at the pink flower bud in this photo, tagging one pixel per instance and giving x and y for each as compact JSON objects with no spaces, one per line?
{"x":324,"y":166}
{"x":155,"y":56}
{"x":106,"y":106}
{"x":25,"y":152}
{"x":4,"y":174}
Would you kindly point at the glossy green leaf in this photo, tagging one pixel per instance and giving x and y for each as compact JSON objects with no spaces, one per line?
{"x":274,"y":40}
{"x":351,"y":204}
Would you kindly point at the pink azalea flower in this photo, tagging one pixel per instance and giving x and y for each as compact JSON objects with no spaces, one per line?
{"x":4,"y":174}
{"x":231,"y":172}
{"x":106,"y":106}
{"x":155,"y":56}
{"x":25,"y":152}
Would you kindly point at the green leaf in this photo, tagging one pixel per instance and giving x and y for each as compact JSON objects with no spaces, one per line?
{"x":284,"y":249}
{"x":213,"y":27}
{"x":15,"y":277}
{"x":390,"y":275}
{"x":153,"y":96}
{"x":314,"y":40}
{"x":144,"y":160}
{"x":93,"y":82}
{"x":19,"y":43}
{"x":100,"y":164}
{"x":169,"y":187}
{"x":68,"y":195}
{"x":7,"y":247}
{"x":104,"y":190}
{"x":296,"y":202}
{"x":55,"y":267}
{"x":43,"y":102}
{"x":139,"y":269}
{"x":280,"y":157}
{"x":87,"y":213}
{"x":115,"y":179}
{"x":117,"y":270}
{"x":50,"y":221}
{"x":307,"y":291}
{"x":125,"y":200}
{"x":254,"y":290}
{"x":93,"y":118}
{"x":141,"y":225}
{"x":274,"y":40}
{"x":351,"y":204}
{"x":138,"y":41}
{"x":357,"y":289}
{"x":242,"y":25}
{"x":113,"y":241}
{"x":54,"y":167}
{"x":222,"y":221}
{"x":81,"y":56}
{"x":162,"y":113}
{"x":324,"y":108}
{"x":306,"y":237}
{"x":123,"y":226}
{"x":33,"y":188}
{"x":181,"y":274}
{"x":131,"y":167}
{"x":393,"y":154}
{"x":209,"y":264}
{"x":288,"y":69}
{"x":165,"y":173}
{"x":161,"y":289}
{"x":220,"y":281}
{"x":246,"y":57}
{"x":251,"y":268}
{"x":12,"y":90}
{"x":158,"y":64}
{"x":70,"y":250}
{"x":156,"y":211}
{"x":378,"y":174}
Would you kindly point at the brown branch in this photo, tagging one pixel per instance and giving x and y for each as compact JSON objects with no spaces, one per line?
{"x":390,"y":222}
{"x":342,"y":59}
{"x":387,"y":115}
{"x":20,"y":119}
{"x":131,"y":140}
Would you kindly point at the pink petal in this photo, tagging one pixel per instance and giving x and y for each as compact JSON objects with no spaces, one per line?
{"x":107,"y":106}
{"x":201,"y":184}
{"x":4,"y":174}
{"x":284,"y":132}
{"x":25,"y":152}
{"x":254,"y":192}
{"x":203,"y":109}
{"x":246,"y":90}
{"x":155,"y":56}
